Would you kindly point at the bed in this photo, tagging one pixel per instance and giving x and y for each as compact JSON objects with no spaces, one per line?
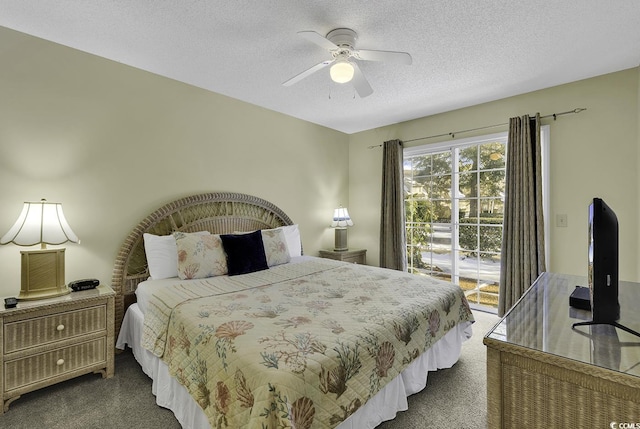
{"x":267,"y":337}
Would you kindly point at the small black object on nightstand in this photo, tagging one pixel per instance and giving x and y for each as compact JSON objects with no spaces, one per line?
{"x":84,"y":284}
{"x":10,"y":302}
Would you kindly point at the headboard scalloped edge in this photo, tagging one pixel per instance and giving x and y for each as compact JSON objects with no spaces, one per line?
{"x":218,"y":213}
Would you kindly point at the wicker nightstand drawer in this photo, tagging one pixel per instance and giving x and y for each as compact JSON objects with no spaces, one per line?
{"x":354,"y":259}
{"x":39,"y":331}
{"x":36,"y":368}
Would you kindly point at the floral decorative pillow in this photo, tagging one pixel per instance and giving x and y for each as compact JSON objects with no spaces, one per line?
{"x":275,"y":247}
{"x":200,"y":256}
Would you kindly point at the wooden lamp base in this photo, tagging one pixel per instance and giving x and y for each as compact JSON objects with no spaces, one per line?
{"x":341,"y":240}
{"x":42,"y":274}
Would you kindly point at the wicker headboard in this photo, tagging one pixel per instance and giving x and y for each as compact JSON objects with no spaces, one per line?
{"x":218,"y":213}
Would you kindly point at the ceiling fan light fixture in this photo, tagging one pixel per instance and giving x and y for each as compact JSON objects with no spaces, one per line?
{"x":341,"y":71}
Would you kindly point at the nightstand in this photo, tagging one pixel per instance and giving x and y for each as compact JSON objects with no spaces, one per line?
{"x":47,"y":341}
{"x":356,"y":256}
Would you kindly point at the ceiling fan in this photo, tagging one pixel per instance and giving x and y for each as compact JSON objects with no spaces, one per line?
{"x":344,"y":63}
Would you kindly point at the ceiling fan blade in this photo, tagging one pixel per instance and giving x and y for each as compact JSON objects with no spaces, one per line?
{"x":360,"y":82}
{"x":319,"y":40}
{"x":297,"y":78}
{"x":384,"y":56}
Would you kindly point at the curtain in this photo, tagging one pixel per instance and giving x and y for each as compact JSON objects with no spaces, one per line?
{"x":393,"y":242}
{"x":522,"y":258}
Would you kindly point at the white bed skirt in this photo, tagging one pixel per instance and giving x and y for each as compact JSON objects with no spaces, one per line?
{"x":383,"y":406}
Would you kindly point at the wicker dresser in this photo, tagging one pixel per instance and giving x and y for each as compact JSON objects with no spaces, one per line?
{"x":541,"y":373}
{"x":47,"y":341}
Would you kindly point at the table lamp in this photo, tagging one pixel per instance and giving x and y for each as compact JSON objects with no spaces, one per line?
{"x":341,"y":221}
{"x":41,"y":223}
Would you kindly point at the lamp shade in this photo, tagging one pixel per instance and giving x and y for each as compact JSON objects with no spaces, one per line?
{"x":341,"y":218}
{"x":341,"y":71}
{"x":40,"y":222}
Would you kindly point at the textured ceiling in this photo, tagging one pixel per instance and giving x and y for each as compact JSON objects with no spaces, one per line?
{"x":464,"y":52}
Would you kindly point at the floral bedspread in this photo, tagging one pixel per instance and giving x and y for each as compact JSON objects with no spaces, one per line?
{"x":298,"y":345}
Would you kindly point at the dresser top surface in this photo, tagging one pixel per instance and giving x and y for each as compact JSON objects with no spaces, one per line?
{"x":102,"y":291}
{"x":542,"y":320}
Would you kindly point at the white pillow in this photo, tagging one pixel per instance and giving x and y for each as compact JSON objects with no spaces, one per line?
{"x":292,"y":235}
{"x":162,"y":255}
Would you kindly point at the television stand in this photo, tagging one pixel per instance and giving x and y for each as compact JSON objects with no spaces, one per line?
{"x":542,"y":373}
{"x":616,"y":324}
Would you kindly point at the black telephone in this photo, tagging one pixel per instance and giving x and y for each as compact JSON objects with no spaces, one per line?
{"x":84,"y":284}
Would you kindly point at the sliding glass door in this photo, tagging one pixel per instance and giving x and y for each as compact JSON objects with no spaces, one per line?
{"x":454,"y":202}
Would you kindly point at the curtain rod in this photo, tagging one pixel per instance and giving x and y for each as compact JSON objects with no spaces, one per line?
{"x":453,"y":133}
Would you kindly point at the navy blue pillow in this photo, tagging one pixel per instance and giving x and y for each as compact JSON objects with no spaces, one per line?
{"x":245,"y":252}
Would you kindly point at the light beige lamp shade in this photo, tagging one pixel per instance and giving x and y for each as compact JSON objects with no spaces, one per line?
{"x":41,"y":223}
{"x":341,"y":220}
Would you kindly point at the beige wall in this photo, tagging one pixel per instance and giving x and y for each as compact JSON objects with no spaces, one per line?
{"x":113,"y":143}
{"x":638,"y":163}
{"x":594,"y":153}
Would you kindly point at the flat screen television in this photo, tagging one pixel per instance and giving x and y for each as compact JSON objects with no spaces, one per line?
{"x":603,"y":262}
{"x":603,"y":267}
